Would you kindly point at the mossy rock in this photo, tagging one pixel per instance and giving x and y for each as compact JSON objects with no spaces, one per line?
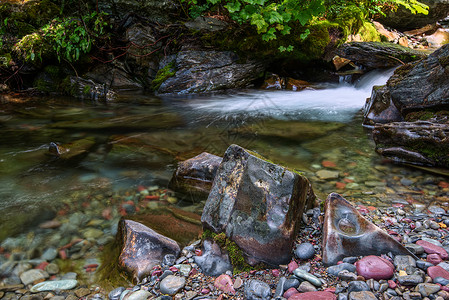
{"x":369,"y":33}
{"x":162,"y":75}
{"x":40,"y":12}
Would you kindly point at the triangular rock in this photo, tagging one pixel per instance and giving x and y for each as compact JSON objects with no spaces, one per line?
{"x":347,"y":233}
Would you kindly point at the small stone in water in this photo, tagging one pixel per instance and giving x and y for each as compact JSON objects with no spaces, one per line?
{"x":32,"y":276}
{"x":50,"y":254}
{"x":54,"y":285}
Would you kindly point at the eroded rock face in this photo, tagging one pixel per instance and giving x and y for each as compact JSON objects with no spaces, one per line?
{"x":422,"y":85}
{"x":206,"y":71}
{"x":347,"y":233}
{"x":141,"y":248}
{"x":421,"y":143}
{"x":257,"y":204}
{"x":195,"y":176}
{"x":380,"y":108}
{"x":375,"y":55}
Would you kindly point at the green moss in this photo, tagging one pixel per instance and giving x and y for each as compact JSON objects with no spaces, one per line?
{"x":86,"y":89}
{"x":236,"y":255}
{"x":109,"y":275}
{"x":423,"y":115}
{"x":369,"y":33}
{"x":162,"y":75}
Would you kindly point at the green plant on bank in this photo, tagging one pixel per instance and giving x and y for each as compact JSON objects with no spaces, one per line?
{"x":162,"y":75}
{"x":69,"y":37}
{"x":273,"y":18}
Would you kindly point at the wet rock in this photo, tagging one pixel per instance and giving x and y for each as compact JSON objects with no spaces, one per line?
{"x":336,"y":269}
{"x":172,"y":284}
{"x":420,"y":86}
{"x":141,"y":248}
{"x":257,"y":290}
{"x":322,"y":295}
{"x":139,"y":295}
{"x":423,"y":265}
{"x":301,"y":274}
{"x":306,"y":286}
{"x":206,"y":24}
{"x":347,"y":233}
{"x":305,"y":251}
{"x":374,"y":267}
{"x":374,"y":55}
{"x":437,"y":271}
{"x":434,"y":259}
{"x":426,"y":289}
{"x":257,"y":204}
{"x":114,"y":76}
{"x":88,"y":89}
{"x":402,"y":262}
{"x":206,"y":71}
{"x":195,"y":176}
{"x":224,"y":283}
{"x":413,"y":142}
{"x":415,"y":249}
{"x":33,"y":276}
{"x":357,"y":286}
{"x":441,"y":280}
{"x":430,"y":248}
{"x":115,"y":293}
{"x":291,"y":283}
{"x":410,"y":280}
{"x":379,"y":108}
{"x":213,"y":261}
{"x":363,"y":295}
{"x":54,"y":285}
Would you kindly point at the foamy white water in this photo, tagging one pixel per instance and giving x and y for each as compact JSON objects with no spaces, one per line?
{"x":335,"y":102}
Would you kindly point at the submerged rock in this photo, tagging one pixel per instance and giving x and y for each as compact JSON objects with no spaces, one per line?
{"x":347,"y":233}
{"x":421,"y":143}
{"x":257,"y":204}
{"x":54,"y":285}
{"x":375,"y":55}
{"x":195,"y":176}
{"x":141,"y":248}
{"x":206,"y":71}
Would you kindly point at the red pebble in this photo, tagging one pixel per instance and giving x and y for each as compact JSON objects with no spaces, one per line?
{"x":340,"y":185}
{"x":275,"y":272}
{"x":62,"y":254}
{"x":173,"y":269}
{"x":141,"y":188}
{"x":156,"y":273}
{"x":42,"y":265}
{"x":198,"y":252}
{"x":434,"y":259}
{"x":431,"y":249}
{"x":392,"y":284}
{"x":193,"y":272}
{"x":290,"y":292}
{"x":444,"y":288}
{"x":152,"y":197}
{"x":90,"y":266}
{"x":205,"y":291}
{"x":330,"y":290}
{"x":328,"y":164}
{"x":443,"y":184}
{"x":292,"y":266}
{"x":437,"y":271}
{"x":107,"y":213}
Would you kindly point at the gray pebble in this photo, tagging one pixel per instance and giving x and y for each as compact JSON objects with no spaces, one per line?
{"x":257,"y":290}
{"x":410,"y":279}
{"x":50,"y":254}
{"x":115,"y":294}
{"x":423,"y":265}
{"x":357,"y":286}
{"x":441,"y":280}
{"x":171,"y":284}
{"x":291,"y":283}
{"x":334,"y":270}
{"x":305,"y":251}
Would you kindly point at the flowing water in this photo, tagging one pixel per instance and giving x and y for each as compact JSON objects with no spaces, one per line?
{"x":118,"y":148}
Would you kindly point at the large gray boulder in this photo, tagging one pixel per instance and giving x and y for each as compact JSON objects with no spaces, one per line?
{"x":375,"y":55}
{"x":258,"y":205}
{"x":207,"y":71}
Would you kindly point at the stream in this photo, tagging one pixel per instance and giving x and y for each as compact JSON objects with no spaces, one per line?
{"x":123,"y":151}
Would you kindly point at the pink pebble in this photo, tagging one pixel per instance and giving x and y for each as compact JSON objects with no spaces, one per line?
{"x":290,"y":292}
{"x":292,"y":266}
{"x":392,"y":284}
{"x":434,"y":258}
{"x":275,"y":272}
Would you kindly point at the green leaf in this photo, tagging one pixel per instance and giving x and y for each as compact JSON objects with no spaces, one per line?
{"x":259,"y":22}
{"x":304,"y":35}
{"x":275,"y":17}
{"x":233,"y":7}
{"x":303,"y":17}
{"x":286,"y":49}
{"x":269,"y":35}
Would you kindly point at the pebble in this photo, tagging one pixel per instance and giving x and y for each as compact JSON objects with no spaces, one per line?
{"x":362,"y":295}
{"x":305,"y":251}
{"x":306,"y":286}
{"x":81,"y":292}
{"x":32,"y":276}
{"x":410,"y":279}
{"x":402,"y":262}
{"x":437,"y":271}
{"x":224,"y":283}
{"x":291,"y":283}
{"x":441,"y":280}
{"x":139,"y":295}
{"x":172,"y":284}
{"x":52,"y":269}
{"x":415,"y":249}
{"x":423,"y":265}
{"x":336,"y":269}
{"x":426,"y":289}
{"x":326,"y":174}
{"x":257,"y":290}
{"x":50,"y":254}
{"x":301,"y":274}
{"x":115,"y":293}
{"x":434,"y":259}
{"x":54,"y":285}
{"x":357,"y":286}
{"x":313,"y":296}
{"x":431,"y":248}
{"x":374,"y":267}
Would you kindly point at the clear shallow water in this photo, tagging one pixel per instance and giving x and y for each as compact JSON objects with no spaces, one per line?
{"x":137,"y":140}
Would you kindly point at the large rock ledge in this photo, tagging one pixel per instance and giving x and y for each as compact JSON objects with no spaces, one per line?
{"x":207,"y":71}
{"x":421,"y":143}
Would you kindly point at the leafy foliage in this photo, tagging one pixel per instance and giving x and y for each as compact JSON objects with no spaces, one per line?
{"x":68,"y":37}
